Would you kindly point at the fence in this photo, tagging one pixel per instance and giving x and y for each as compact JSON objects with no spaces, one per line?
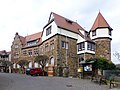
{"x":108,"y":73}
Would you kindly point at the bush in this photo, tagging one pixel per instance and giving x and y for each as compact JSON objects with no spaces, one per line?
{"x":102,"y":64}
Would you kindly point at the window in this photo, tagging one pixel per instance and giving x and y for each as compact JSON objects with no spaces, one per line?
{"x":48,"y":30}
{"x":16,"y":54}
{"x":30,"y":52}
{"x":64,"y":44}
{"x":51,"y":44}
{"x":81,"y":46}
{"x":31,"y":43}
{"x":24,"y":52}
{"x":35,"y":52}
{"x":41,"y":50}
{"x":52,"y":61}
{"x":69,"y":21}
{"x":93,"y":47}
{"x":16,"y":46}
{"x":94,"y":33}
{"x":46,"y":47}
{"x":90,"y":46}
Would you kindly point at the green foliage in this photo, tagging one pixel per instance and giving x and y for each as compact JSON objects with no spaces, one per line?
{"x":111,"y":66}
{"x":102,"y":64}
{"x":42,"y":60}
{"x":118,"y":67}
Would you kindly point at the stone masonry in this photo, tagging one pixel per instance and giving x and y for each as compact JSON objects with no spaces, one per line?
{"x":103,"y":48}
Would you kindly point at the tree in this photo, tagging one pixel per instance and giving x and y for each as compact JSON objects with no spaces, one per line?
{"x":23,"y":63}
{"x":112,"y":66}
{"x":42,"y":60}
{"x":6,"y":64}
{"x":102,"y":64}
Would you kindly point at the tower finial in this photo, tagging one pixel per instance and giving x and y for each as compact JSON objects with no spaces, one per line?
{"x":99,"y":10}
{"x":16,"y":33}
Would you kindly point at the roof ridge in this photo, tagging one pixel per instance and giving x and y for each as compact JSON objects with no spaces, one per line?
{"x":99,"y":22}
{"x":64,"y":17}
{"x":63,"y":23}
{"x":33,"y":34}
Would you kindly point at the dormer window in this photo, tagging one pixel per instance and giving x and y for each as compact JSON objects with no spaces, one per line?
{"x":69,"y":21}
{"x":81,"y":46}
{"x":94,"y":33}
{"x":31,"y":43}
{"x":48,"y":30}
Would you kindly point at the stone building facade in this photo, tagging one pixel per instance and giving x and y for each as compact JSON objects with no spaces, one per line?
{"x":5,"y":61}
{"x":101,"y":34}
{"x":25,"y":48}
{"x":105,"y":44}
{"x":65,"y":42}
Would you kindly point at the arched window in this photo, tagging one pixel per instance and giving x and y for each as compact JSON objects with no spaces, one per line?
{"x":52,"y":61}
{"x":36,"y":65}
{"x":30,"y":65}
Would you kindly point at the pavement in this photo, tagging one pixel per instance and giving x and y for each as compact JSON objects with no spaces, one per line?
{"x":24,"y":82}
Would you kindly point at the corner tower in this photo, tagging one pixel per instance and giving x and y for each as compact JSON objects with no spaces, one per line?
{"x":101,"y":34}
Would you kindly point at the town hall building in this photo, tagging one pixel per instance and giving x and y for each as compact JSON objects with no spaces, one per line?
{"x":65,"y":42}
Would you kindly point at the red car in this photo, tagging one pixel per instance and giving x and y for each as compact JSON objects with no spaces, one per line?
{"x":36,"y":72}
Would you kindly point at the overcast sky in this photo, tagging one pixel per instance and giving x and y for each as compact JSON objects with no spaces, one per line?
{"x":29,"y":16}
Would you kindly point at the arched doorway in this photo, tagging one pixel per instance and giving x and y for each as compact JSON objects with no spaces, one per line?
{"x":52,"y":61}
{"x":30,"y":65}
{"x":36,"y":65}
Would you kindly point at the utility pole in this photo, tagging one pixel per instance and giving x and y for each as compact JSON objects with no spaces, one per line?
{"x":84,"y":45}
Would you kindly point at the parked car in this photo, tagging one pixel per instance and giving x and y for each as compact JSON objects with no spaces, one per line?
{"x":27,"y":71}
{"x":36,"y":72}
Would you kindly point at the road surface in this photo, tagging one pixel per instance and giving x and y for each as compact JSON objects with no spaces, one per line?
{"x":24,"y":82}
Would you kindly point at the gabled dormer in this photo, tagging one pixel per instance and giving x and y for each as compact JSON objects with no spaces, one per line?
{"x":50,"y":29}
{"x":60,"y":25}
{"x":100,"y":28}
{"x":33,"y":39}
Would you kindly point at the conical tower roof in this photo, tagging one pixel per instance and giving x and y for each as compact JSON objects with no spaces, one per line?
{"x":100,"y":22}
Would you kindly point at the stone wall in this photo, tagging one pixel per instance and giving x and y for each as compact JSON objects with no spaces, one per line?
{"x":103,"y":48}
{"x":86,"y":56}
{"x":16,"y":49}
{"x":62,"y":57}
{"x":67,"y":57}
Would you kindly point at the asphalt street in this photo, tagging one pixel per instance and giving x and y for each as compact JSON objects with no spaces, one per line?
{"x":24,"y":82}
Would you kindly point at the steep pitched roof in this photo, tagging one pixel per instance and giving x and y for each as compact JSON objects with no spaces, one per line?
{"x":65,"y":23}
{"x":3,"y":52}
{"x":29,"y":38}
{"x":22,"y":39}
{"x":100,"y":22}
{"x":33,"y":36}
